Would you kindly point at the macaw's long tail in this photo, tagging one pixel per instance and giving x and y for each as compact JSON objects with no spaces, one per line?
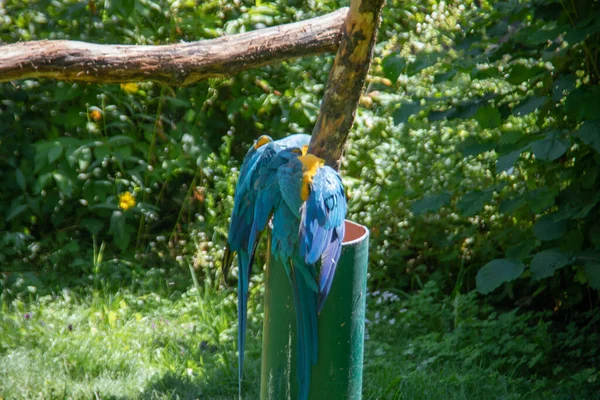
{"x":243,"y":278}
{"x":305,"y":304}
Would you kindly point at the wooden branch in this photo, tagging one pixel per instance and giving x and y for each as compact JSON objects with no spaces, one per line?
{"x":346,"y":81}
{"x":175,"y":64}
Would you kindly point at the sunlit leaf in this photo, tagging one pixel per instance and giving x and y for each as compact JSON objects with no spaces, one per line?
{"x":431,"y":203}
{"x":488,"y":117}
{"x":507,"y":161}
{"x":405,"y":110}
{"x":393,"y":65}
{"x":473,"y":202}
{"x":550,"y":148}
{"x":530,"y":105}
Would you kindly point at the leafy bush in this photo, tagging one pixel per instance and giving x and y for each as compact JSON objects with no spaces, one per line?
{"x":484,"y":150}
{"x":433,"y":334}
{"x":128,"y":168}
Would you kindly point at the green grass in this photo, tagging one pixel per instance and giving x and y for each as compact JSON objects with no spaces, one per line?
{"x":131,"y":346}
{"x":120,"y":346}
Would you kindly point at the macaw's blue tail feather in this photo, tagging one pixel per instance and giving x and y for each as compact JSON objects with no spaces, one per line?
{"x":329,"y":261}
{"x":305,"y":304}
{"x":243,"y":277}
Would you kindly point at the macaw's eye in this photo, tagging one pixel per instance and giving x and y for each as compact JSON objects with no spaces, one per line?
{"x":261,"y":141}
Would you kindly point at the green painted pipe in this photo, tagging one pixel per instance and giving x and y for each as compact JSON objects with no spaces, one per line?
{"x":338,"y":372}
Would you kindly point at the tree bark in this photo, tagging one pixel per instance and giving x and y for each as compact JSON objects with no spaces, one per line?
{"x":346,"y":81}
{"x":175,"y":64}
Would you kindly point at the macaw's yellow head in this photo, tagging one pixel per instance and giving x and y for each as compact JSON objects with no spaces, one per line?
{"x":261,"y":141}
{"x":310,"y":166}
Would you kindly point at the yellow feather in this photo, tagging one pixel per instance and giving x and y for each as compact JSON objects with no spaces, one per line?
{"x":310,"y":166}
{"x":261,"y":141}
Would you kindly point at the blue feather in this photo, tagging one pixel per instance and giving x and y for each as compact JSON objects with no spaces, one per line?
{"x":242,"y":238}
{"x":243,"y":278}
{"x":322,"y":226}
{"x":305,"y":304}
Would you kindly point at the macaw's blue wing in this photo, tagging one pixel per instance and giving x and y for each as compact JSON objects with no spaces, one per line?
{"x":290,"y":177}
{"x":284,"y":236}
{"x":296,"y":140}
{"x":268,"y":193}
{"x":322,"y":226}
{"x":245,"y":195}
{"x":304,"y":289}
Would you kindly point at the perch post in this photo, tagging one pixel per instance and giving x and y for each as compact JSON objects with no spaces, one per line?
{"x":338,"y":372}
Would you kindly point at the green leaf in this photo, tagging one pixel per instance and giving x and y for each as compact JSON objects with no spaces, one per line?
{"x":20,"y":178}
{"x":582,"y":103}
{"x":497,"y":272}
{"x":91,"y":224}
{"x":562,"y":86}
{"x":582,"y":31}
{"x":528,"y":106}
{"x":175,"y":102}
{"x":473,"y":202}
{"x":118,"y":222}
{"x":541,"y":199}
{"x":101,"y":152}
{"x":595,"y":236}
{"x":488,"y":117}
{"x":509,"y":206}
{"x":510,"y":137}
{"x":431,"y":203}
{"x":120,"y":140}
{"x":422,"y":61}
{"x":405,"y":110}
{"x":520,"y":73}
{"x":507,"y":161}
{"x":546,"y":262}
{"x":441,"y":115}
{"x":442,"y":77}
{"x":550,"y":148}
{"x":522,"y":249}
{"x":473,"y":147}
{"x":55,"y":152}
{"x":16,"y":211}
{"x":592,"y":272}
{"x":589,"y":133}
{"x":65,"y":185}
{"x":546,"y":228}
{"x":122,"y":7}
{"x":393,"y":65}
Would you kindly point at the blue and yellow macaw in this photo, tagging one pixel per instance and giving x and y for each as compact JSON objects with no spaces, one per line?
{"x":306,"y":199}
{"x":258,"y":157}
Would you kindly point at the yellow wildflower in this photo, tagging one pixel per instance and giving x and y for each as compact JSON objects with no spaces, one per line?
{"x":96,"y":115}
{"x":130,"y":88}
{"x":126,"y":201}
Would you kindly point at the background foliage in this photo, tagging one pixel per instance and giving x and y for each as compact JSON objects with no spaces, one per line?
{"x":474,"y":160}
